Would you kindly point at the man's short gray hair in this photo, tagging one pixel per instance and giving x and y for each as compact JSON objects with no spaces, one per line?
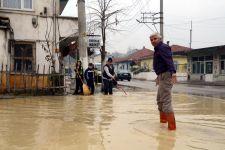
{"x":156,"y":34}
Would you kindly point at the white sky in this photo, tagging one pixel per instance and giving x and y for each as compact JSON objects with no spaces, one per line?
{"x":208,"y":17}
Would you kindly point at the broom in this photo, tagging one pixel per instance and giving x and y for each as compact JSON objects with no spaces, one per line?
{"x":86,"y":89}
{"x":120,"y":88}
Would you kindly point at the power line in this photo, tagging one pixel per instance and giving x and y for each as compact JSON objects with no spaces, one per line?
{"x":197,"y":21}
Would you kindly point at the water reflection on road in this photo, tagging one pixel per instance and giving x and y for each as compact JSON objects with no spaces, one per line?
{"x":110,"y":122}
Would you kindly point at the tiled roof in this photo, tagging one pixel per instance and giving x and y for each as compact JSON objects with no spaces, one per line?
{"x":147,"y":53}
{"x":178,"y":48}
{"x":136,"y":56}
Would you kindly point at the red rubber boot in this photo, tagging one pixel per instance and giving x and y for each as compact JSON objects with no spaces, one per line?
{"x":163,"y":118}
{"x":171,"y":121}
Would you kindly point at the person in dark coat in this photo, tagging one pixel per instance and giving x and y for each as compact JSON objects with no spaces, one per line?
{"x":79,"y":77}
{"x":166,"y":77}
{"x":89,"y":75}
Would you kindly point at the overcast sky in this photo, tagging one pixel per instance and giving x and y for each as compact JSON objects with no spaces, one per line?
{"x":208,"y":17}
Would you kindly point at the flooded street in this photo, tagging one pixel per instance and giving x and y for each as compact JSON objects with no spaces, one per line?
{"x":116,"y":122}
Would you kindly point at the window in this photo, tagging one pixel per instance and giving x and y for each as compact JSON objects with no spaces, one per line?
{"x":17,"y":4}
{"x":194,"y":66}
{"x":175,"y":65}
{"x":202,"y":67}
{"x":209,"y":67}
{"x":23,"y":57}
{"x":202,"y":64}
{"x":222,"y":64}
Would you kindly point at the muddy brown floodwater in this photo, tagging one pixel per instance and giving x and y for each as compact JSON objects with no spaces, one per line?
{"x":116,"y":122}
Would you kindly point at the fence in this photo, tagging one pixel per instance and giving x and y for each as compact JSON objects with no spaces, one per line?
{"x":32,"y":83}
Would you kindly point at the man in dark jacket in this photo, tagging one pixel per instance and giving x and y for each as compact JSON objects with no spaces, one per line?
{"x":166,"y":77}
{"x":89,"y":75}
{"x":108,"y":77}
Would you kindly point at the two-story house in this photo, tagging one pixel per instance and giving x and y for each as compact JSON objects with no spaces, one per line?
{"x":33,"y":35}
{"x":30,"y":33}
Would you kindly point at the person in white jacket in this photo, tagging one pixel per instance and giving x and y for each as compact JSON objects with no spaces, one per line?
{"x":108,"y":77}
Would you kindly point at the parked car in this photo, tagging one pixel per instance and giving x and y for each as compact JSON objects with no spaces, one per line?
{"x":124,"y":75}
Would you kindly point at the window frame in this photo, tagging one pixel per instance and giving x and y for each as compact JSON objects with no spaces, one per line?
{"x":208,"y":61}
{"x":32,"y":58}
{"x":18,"y":9}
{"x":201,"y":60}
{"x":222,"y":59}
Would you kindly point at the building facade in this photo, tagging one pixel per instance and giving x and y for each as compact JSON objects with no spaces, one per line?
{"x":33,"y":41}
{"x":31,"y":32}
{"x":207,"y":64}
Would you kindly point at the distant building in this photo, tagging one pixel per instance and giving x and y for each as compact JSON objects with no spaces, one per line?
{"x":137,"y":58}
{"x":207,"y":64}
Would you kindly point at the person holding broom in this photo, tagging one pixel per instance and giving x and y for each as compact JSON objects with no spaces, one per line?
{"x":108,"y":77}
{"x":166,"y":77}
{"x":79,"y":78}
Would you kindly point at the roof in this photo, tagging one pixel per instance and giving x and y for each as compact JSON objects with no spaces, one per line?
{"x":147,"y":53}
{"x":136,"y":56}
{"x":141,"y":54}
{"x":213,"y":49}
{"x":178,"y":48}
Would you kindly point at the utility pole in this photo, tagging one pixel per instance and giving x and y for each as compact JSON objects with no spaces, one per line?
{"x":82,"y":33}
{"x":150,"y":18}
{"x":191,"y":35}
{"x":161,"y":19}
{"x":54,"y":46}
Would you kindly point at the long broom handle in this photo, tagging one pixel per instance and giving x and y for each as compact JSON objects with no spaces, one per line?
{"x":79,"y":76}
{"x":120,"y":87}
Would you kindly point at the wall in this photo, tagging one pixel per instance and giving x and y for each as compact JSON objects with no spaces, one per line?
{"x":4,"y":57}
{"x":182,"y":62}
{"x":148,"y":62}
{"x":152,"y":76}
{"x":145,"y":76}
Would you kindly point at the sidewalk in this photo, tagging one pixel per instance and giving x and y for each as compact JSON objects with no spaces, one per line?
{"x":192,"y":89}
{"x":216,"y":83}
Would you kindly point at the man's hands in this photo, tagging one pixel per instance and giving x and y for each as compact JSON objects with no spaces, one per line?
{"x":157,"y":81}
{"x":174,"y":78}
{"x":114,"y":77}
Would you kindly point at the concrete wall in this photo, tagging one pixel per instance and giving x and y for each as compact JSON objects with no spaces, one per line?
{"x":181,"y":60}
{"x":4,"y":56}
{"x":152,"y":76}
{"x":21,"y":22}
{"x":38,"y":7}
{"x":145,"y":76}
{"x":148,"y":63}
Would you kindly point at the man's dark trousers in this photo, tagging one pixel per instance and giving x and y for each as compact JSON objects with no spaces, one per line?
{"x":108,"y":86}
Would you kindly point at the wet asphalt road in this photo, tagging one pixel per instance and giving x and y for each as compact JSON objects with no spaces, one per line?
{"x":117,"y":122}
{"x":200,"y":90}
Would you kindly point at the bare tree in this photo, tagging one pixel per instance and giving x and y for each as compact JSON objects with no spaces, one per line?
{"x":104,"y":17}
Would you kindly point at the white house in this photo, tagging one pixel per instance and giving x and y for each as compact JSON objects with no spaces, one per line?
{"x":31,"y":32}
